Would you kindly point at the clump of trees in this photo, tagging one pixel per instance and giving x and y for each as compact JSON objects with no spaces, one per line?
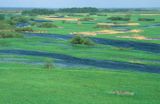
{"x":15,"y":20}
{"x":24,"y":29}
{"x":119,"y":18}
{"x":146,"y":19}
{"x":38,"y":12}
{"x":10,"y":35}
{"x":78,"y":39}
{"x":47,"y":25}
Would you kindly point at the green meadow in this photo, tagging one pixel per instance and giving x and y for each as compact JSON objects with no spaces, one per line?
{"x":49,"y":76}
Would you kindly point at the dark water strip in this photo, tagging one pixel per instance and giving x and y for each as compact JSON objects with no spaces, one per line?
{"x":152,"y":25}
{"x":90,"y":62}
{"x":149,"y":47}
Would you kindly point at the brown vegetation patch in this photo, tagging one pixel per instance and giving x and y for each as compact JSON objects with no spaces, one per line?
{"x":123,"y":93}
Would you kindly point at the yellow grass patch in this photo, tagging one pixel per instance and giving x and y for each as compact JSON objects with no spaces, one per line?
{"x":135,"y":31}
{"x":138,"y":37}
{"x":40,"y":31}
{"x":109,"y":32}
{"x":85,"y":33}
{"x":98,"y":32}
{"x":59,"y":19}
{"x":93,"y":33}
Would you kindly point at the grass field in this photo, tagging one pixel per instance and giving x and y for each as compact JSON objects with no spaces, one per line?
{"x":25,"y":79}
{"x":27,"y":84}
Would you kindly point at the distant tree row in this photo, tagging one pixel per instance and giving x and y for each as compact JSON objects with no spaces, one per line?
{"x":38,"y":12}
{"x":79,"y":10}
{"x":127,"y":10}
{"x":66,"y":10}
{"x":91,"y":10}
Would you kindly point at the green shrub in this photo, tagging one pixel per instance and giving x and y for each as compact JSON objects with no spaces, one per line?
{"x":47,"y":25}
{"x":146,"y":19}
{"x":86,"y":19}
{"x":24,"y":29}
{"x":119,"y":18}
{"x":5,"y":25}
{"x":81,"y":40}
{"x":103,"y":26}
{"x":10,"y":35}
{"x":2,"y":17}
{"x":14,"y":20}
{"x":49,"y":64}
{"x":33,"y":23}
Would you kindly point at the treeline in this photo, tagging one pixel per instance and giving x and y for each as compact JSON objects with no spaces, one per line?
{"x":38,"y":12}
{"x":128,"y":10}
{"x":79,"y":10}
{"x":75,"y":10}
{"x":65,"y":10}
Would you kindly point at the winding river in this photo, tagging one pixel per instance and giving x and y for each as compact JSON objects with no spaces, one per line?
{"x":90,"y":62}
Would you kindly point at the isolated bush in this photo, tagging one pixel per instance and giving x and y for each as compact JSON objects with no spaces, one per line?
{"x":93,"y":13}
{"x":47,"y":25}
{"x":10,"y":35}
{"x":81,"y":40}
{"x":18,"y":19}
{"x":119,"y":18}
{"x":49,"y":64}
{"x":86,"y":19}
{"x":146,"y":19}
{"x":103,"y":26}
{"x":33,"y":23}
{"x":24,"y":29}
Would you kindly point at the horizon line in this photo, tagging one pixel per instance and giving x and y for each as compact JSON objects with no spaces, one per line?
{"x":89,"y":6}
